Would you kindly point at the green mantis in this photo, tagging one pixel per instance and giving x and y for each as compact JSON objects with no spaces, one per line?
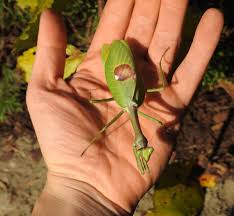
{"x":127,"y":89}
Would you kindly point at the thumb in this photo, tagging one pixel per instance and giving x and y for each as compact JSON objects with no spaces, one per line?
{"x":51,"y":50}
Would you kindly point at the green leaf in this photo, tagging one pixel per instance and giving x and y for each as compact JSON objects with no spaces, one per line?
{"x":73,"y":60}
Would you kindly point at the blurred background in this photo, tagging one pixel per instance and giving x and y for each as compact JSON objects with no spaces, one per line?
{"x":200,"y":181}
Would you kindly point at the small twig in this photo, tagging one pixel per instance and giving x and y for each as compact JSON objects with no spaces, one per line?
{"x":100,"y":7}
{"x":76,"y":32}
{"x":89,"y":25}
{"x":218,"y":141}
{"x":89,"y":34}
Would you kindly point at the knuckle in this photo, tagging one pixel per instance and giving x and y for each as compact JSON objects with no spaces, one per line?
{"x":141,"y":24}
{"x":167,"y":38}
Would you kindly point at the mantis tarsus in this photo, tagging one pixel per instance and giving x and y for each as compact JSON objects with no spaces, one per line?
{"x":127,"y":89}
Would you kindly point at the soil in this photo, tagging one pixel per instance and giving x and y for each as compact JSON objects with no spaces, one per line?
{"x":207,"y":135}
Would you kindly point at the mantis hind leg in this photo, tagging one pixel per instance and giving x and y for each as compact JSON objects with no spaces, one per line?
{"x":149,"y":117}
{"x":93,"y":101}
{"x":102,"y":130}
{"x":162,"y":77}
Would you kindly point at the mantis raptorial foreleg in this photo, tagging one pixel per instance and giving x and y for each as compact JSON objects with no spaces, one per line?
{"x":162,"y":77}
{"x":141,"y":149}
{"x":142,"y":157}
{"x":93,"y":101}
{"x":102,"y":130}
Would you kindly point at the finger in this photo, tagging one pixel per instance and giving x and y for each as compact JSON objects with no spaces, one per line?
{"x":189,"y":74}
{"x":142,"y":25}
{"x":167,"y":32}
{"x":51,"y":46}
{"x":113,"y":23}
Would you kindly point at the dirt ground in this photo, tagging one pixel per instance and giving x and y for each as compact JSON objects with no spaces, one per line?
{"x":207,"y":134}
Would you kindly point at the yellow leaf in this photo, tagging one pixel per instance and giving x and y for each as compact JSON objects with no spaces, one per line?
{"x":176,"y":193}
{"x":73,"y":60}
{"x":25,"y":62}
{"x":27,"y":4}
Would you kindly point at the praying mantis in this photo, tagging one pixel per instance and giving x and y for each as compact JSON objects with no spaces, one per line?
{"x":128,"y":91}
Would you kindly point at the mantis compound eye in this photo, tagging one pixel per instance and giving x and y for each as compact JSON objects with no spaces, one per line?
{"x":124,"y":72}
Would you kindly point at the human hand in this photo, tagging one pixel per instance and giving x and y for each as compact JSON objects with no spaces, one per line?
{"x":65,"y":121}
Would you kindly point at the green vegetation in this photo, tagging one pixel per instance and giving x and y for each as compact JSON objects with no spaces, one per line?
{"x":12,"y":20}
{"x":221,"y":63}
{"x":19,"y":26}
{"x":9,"y":93}
{"x":80,"y":17}
{"x":220,"y":66}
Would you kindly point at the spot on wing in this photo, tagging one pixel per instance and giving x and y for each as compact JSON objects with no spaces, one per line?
{"x":124,"y":72}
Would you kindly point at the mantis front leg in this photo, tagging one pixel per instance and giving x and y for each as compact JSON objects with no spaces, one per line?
{"x":162,"y":77}
{"x":140,"y":146}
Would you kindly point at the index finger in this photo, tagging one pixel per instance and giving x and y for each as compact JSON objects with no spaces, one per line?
{"x":51,"y":46}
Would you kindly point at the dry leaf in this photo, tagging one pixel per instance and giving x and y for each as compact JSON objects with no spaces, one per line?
{"x":208,"y":180}
{"x":228,"y":87}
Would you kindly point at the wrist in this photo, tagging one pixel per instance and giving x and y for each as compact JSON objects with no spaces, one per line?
{"x":63,"y":196}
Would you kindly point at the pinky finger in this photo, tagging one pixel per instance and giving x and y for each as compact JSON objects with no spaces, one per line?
{"x":190,"y":72}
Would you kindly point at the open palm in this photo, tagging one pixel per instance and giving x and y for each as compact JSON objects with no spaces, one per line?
{"x":65,"y":121}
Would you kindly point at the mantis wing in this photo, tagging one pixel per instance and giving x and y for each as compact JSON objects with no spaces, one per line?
{"x":140,"y":91}
{"x":105,"y":52}
{"x":119,"y":71}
